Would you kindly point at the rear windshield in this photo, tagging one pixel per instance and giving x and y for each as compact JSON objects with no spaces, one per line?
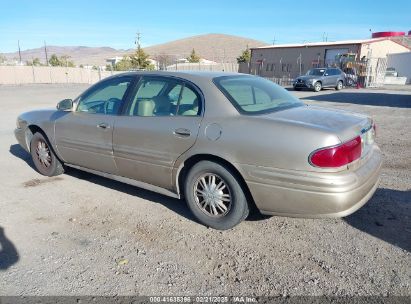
{"x":255,"y":95}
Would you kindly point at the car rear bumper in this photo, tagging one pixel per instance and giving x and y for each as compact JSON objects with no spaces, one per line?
{"x":21,"y":138}
{"x":313,"y":195}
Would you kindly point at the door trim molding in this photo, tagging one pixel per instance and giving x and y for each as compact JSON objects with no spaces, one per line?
{"x":129,"y":181}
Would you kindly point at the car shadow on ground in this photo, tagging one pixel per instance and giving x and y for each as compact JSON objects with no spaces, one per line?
{"x":19,"y":152}
{"x":386,"y":216}
{"x":8,"y":252}
{"x":176,"y":205}
{"x":371,"y":99}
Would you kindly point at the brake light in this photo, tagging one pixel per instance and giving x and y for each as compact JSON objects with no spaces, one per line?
{"x":337,"y":156}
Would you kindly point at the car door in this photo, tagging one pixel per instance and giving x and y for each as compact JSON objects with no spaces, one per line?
{"x":327,"y":79}
{"x":84,"y":137}
{"x":334,"y":75}
{"x":160,"y":122}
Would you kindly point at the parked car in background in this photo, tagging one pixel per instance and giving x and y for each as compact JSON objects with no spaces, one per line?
{"x":224,"y":141}
{"x":316,"y":79}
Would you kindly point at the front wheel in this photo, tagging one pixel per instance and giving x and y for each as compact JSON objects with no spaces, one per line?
{"x":215,"y":196}
{"x":317,"y":86}
{"x":43,"y":156}
{"x":339,"y":85}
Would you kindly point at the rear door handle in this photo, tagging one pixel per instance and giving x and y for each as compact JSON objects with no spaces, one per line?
{"x":182,"y":132}
{"x":103,"y":125}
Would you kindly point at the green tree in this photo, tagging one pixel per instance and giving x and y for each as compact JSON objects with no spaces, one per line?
{"x":245,"y":56}
{"x":124,"y":64}
{"x":3,"y":59}
{"x":54,"y":60}
{"x":66,"y":62}
{"x":193,"y":58}
{"x":139,"y":60}
{"x":36,"y":62}
{"x":62,"y":61}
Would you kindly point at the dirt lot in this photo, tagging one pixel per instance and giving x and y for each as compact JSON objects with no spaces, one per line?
{"x":79,"y":234}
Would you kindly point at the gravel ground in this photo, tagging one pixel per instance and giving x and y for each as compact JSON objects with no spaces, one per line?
{"x":80,"y":234}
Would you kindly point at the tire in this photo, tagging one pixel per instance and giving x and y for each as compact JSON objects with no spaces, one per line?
{"x":339,"y":85}
{"x":201,"y":202}
{"x":350,"y":82}
{"x":43,"y":156}
{"x":317,"y":86}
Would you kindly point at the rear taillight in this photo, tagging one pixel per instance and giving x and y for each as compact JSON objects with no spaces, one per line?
{"x":337,"y":156}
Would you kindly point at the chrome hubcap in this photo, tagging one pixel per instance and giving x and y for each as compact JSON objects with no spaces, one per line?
{"x":212,"y":195}
{"x":43,"y":154}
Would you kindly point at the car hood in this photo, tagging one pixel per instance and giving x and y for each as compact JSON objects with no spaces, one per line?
{"x":345,"y":125}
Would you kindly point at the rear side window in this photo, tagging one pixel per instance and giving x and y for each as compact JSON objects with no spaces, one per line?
{"x":333,"y":72}
{"x":255,"y":95}
{"x":163,"y":96}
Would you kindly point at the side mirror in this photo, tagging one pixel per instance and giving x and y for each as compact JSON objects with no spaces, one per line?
{"x":65,"y":105}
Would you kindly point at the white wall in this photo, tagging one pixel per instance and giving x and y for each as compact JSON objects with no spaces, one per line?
{"x":402,"y":64}
{"x":30,"y":74}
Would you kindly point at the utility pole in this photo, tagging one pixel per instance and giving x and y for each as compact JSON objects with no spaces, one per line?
{"x":45,"y":51}
{"x":18,"y":43}
{"x":274,"y":40}
{"x":138,"y":46}
{"x":137,"y":42}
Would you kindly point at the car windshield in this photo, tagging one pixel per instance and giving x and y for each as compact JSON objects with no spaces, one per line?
{"x":255,"y":95}
{"x":316,"y":72}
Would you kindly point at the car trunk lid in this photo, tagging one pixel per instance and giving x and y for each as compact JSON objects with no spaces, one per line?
{"x":345,"y":125}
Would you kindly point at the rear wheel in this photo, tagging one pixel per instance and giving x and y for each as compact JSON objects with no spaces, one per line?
{"x":43,"y":156}
{"x":215,"y":196}
{"x":317,"y":86}
{"x":339,"y":85}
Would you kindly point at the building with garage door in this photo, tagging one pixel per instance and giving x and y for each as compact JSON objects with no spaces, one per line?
{"x":291,"y":60}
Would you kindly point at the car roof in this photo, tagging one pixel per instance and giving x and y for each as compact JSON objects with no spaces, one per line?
{"x":190,"y":75}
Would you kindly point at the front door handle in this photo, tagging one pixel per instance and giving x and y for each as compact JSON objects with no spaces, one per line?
{"x":182,"y":132}
{"x":103,"y":125}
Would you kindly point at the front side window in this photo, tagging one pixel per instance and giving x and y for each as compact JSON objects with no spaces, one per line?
{"x":255,"y":95}
{"x":106,"y":98}
{"x":162,"y":96}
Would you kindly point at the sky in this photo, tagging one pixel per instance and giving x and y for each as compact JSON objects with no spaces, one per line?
{"x":115,"y":23}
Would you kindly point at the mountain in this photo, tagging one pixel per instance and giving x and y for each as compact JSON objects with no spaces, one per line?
{"x":216,"y":47}
{"x":79,"y":54}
